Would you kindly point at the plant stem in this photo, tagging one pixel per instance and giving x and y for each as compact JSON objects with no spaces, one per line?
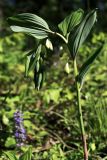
{"x":62,"y":37}
{"x":80,"y":112}
{"x":59,"y":35}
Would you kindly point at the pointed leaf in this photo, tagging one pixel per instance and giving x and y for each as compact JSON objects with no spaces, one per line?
{"x":30,"y":24}
{"x":39,"y":79}
{"x":86,"y":66}
{"x":27,"y":155}
{"x":68,"y":24}
{"x":81,"y":33}
{"x":31,"y":59}
{"x":10,"y":155}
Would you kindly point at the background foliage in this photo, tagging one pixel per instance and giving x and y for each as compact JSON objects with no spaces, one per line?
{"x":50,"y":114}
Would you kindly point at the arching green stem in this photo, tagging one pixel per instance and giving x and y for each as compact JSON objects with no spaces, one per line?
{"x":62,"y":37}
{"x":59,"y":35}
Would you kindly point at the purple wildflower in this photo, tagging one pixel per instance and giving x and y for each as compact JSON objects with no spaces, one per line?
{"x":20,"y":133}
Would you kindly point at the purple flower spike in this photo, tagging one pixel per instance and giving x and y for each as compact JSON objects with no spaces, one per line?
{"x":20,"y":133}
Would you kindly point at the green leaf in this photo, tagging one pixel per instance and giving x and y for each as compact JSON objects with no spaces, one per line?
{"x":31,"y":59}
{"x":86,"y":66}
{"x":10,"y":142}
{"x":72,"y":20}
{"x":10,"y":155}
{"x":81,"y":33}
{"x":30,"y":24}
{"x":27,"y":155}
{"x":5,"y":120}
{"x":39,"y":78}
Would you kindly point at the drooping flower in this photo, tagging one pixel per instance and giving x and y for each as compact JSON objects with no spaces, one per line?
{"x":20,"y":132}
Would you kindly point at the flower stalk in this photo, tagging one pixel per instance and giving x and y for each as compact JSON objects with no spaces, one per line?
{"x":80,"y":111}
{"x":20,"y":133}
